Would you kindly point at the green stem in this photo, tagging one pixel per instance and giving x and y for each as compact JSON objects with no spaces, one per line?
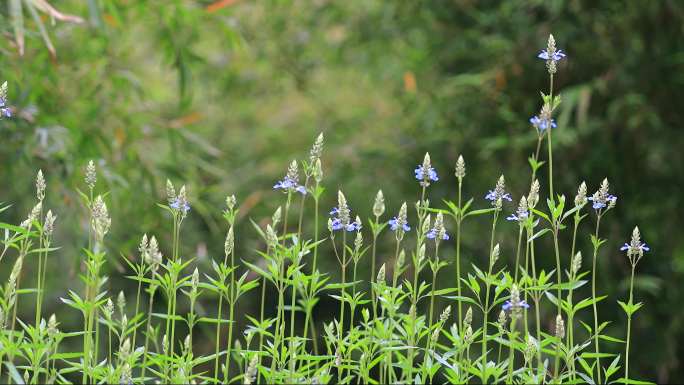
{"x":517,"y":254}
{"x":558,"y":295}
{"x":231,"y":316}
{"x":571,"y":312}
{"x":219,"y":316}
{"x":511,"y":354}
{"x":459,"y":218}
{"x":137,"y":302}
{"x":261,"y":322}
{"x":629,"y":323}
{"x":373,"y":276}
{"x":593,"y":297}
{"x":486,"y":307}
{"x":548,"y":133}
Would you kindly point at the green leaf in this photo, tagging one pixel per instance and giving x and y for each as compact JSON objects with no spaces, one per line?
{"x":630,"y":308}
{"x":588,"y":302}
{"x":479,"y":212}
{"x":538,"y":234}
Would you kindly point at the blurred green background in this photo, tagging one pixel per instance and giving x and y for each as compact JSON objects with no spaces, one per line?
{"x":222,"y":95}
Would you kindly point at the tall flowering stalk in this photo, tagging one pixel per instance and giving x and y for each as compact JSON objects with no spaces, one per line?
{"x":602,"y":202}
{"x":459,"y":172}
{"x":229,"y":215}
{"x":425,"y":174}
{"x":179,"y":208}
{"x":544,"y":121}
{"x":575,"y":266}
{"x":153,"y":258}
{"x":313,"y":170}
{"x":635,"y":251}
{"x":496,"y":197}
{"x":376,"y":228}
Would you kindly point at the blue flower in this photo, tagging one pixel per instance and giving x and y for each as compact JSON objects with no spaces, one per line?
{"x":635,"y":248}
{"x":289,"y":184}
{"x":337,"y":223}
{"x":519,"y":217}
{"x":555,"y":56}
{"x":542,"y":124}
{"x":4,"y":110}
{"x":493,"y":196}
{"x":641,"y":246}
{"x":395,"y":224}
{"x":179,"y":205}
{"x":422,"y":175}
{"x":432,"y":234}
{"x":602,"y":202}
{"x":508,"y":305}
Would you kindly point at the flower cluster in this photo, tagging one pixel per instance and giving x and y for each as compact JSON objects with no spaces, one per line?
{"x":635,"y":248}
{"x":180,"y":202}
{"x":522,"y":213}
{"x":4,"y":110}
{"x":438,"y":232}
{"x":425,"y":172}
{"x":341,"y":216}
{"x":551,"y":55}
{"x":291,"y":181}
{"x":400,"y":222}
{"x":602,"y":198}
{"x":499,"y":193}
{"x":542,"y":123}
{"x":515,"y":305}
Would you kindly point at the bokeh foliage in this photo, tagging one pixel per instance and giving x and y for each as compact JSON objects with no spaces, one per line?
{"x":221,"y":96}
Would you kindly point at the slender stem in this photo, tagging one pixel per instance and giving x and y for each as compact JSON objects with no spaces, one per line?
{"x":548,"y":133}
{"x":459,"y":218}
{"x":517,"y":254}
{"x":486,"y":307}
{"x":137,"y":301}
{"x":219,"y":319}
{"x":374,"y":298}
{"x":314,"y":339}
{"x":511,"y":353}
{"x":292,"y":326}
{"x":558,"y":294}
{"x":39,"y":291}
{"x":231,"y":316}
{"x":147,"y":330}
{"x":571,"y":312}
{"x":629,"y":322}
{"x":434,"y":284}
{"x":261,"y":322}
{"x":536,"y":304}
{"x":593,"y":297}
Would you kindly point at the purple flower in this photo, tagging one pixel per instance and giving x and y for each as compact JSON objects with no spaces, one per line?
{"x":493,"y":196}
{"x":519,"y":217}
{"x":289,"y":184}
{"x":602,"y":202}
{"x":556,"y":55}
{"x":425,"y":172}
{"x":432,"y":234}
{"x":542,"y":124}
{"x":4,"y":110}
{"x":641,"y":246}
{"x":396,"y":224}
{"x":338,"y":224}
{"x":508,"y":305}
{"x":421,"y":174}
{"x":180,"y":205}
